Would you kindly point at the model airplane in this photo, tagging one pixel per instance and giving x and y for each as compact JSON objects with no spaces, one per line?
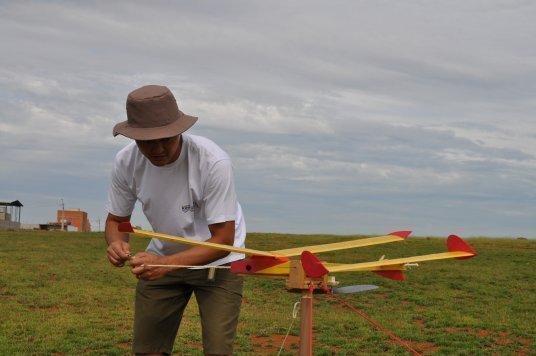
{"x":277,"y":263}
{"x":310,"y":273}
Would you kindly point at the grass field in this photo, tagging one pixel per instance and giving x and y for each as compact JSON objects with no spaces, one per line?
{"x":60,"y":296}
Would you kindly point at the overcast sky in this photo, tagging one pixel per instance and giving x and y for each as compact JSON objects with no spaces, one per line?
{"x":349,"y":117}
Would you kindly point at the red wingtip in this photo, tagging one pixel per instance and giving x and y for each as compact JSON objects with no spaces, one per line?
{"x":456,"y":244}
{"x":312,"y":266}
{"x":125,"y":227}
{"x":395,"y":274}
{"x":402,"y":234}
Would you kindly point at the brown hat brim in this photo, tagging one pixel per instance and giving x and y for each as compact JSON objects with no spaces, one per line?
{"x":183,"y":123}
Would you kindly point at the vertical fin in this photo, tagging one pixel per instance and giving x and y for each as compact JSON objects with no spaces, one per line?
{"x":312,"y":266}
{"x":456,"y":244}
{"x":402,"y":234}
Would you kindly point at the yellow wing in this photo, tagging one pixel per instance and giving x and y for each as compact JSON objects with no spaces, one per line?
{"x":313,"y":267}
{"x":396,"y":264}
{"x":394,"y":236}
{"x":126,"y":227}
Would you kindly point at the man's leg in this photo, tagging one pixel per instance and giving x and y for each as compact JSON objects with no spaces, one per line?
{"x":158,"y":312}
{"x":219,"y":303}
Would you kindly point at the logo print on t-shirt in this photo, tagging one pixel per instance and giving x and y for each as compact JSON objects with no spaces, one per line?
{"x":190,"y":207}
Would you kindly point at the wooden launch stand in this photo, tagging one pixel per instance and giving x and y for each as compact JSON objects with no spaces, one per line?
{"x":298,"y":281}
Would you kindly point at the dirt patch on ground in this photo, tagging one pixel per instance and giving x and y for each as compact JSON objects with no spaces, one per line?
{"x":452,"y":330}
{"x":419,"y":322}
{"x":195,"y":345}
{"x":483,"y":333}
{"x":271,"y":344}
{"x":525,"y":349}
{"x":424,"y":347}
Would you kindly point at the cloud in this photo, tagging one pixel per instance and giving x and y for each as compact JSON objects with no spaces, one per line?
{"x":353,"y":117}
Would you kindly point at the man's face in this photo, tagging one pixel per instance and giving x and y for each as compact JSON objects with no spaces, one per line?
{"x":162,"y":151}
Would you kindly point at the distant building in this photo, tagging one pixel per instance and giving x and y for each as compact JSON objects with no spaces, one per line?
{"x":73,"y":220}
{"x":52,"y":226}
{"x":10,"y":215}
{"x":29,"y":226}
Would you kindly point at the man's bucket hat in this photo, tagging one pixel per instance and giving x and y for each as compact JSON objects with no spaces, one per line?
{"x":153,"y":114}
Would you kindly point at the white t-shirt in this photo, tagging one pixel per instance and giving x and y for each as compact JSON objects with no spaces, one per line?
{"x":181,"y":198}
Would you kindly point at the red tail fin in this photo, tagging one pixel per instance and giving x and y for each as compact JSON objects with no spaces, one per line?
{"x":456,"y":244}
{"x":125,"y":227}
{"x":312,"y":266}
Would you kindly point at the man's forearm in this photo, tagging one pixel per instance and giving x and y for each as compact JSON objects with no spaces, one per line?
{"x":222,"y":233}
{"x":195,"y":256}
{"x":111,"y":232}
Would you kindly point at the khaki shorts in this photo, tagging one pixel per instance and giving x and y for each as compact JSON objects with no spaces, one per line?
{"x":160,"y":305}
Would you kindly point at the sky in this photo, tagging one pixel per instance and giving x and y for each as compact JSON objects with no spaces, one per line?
{"x":353,"y":117}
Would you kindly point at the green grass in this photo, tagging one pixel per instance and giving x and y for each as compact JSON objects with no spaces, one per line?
{"x":59,"y":295}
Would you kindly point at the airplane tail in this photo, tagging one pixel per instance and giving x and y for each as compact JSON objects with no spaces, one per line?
{"x":402,"y":234}
{"x":456,"y":244}
{"x":312,"y":266}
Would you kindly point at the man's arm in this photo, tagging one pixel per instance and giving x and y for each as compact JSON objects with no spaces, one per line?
{"x":222,"y":233}
{"x":118,"y":247}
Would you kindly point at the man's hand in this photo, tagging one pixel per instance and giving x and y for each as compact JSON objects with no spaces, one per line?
{"x":118,"y":252}
{"x":139,"y":266}
{"x":118,"y":248}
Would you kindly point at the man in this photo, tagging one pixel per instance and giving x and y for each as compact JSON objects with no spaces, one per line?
{"x":185,"y":186}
